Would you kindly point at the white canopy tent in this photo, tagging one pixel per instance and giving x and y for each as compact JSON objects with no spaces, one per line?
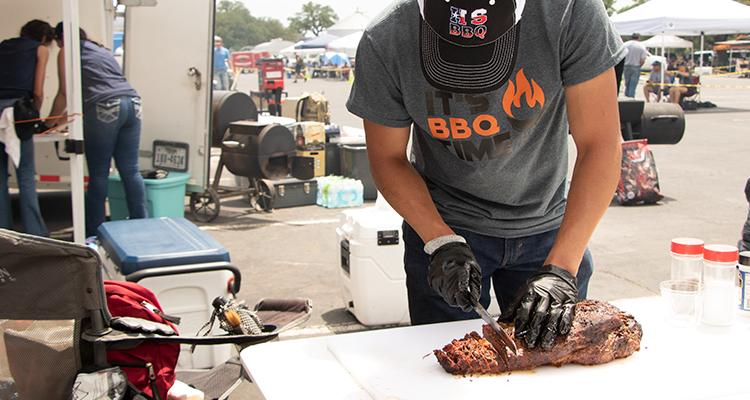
{"x":685,"y":17}
{"x":351,"y":24}
{"x":291,"y":51}
{"x":273,"y":46}
{"x":668,"y":41}
{"x":347,"y":44}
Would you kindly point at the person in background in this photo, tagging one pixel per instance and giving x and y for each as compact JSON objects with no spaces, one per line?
{"x":654,"y":83}
{"x":634,"y":60}
{"x":619,"y":69}
{"x":684,"y":77}
{"x":299,"y":65}
{"x":24,"y":62}
{"x":111,"y":128}
{"x":744,"y":243}
{"x":222,"y":64}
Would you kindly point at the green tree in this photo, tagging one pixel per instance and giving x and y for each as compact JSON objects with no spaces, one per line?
{"x":313,"y":18}
{"x":238,"y":28}
{"x":636,"y":3}
{"x":609,"y":4}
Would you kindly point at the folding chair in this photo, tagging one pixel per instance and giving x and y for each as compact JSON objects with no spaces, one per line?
{"x":694,"y":92}
{"x":55,"y":322}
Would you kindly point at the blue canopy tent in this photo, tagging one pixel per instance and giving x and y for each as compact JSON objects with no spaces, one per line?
{"x":318,"y":42}
{"x":333,"y":58}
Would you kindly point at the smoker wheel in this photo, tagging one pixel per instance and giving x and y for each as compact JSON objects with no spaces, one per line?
{"x":263,"y":196}
{"x":205,"y":206}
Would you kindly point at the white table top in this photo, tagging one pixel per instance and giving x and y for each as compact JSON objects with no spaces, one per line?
{"x":673,"y":363}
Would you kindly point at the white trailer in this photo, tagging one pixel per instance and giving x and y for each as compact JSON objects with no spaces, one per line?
{"x":167,"y":59}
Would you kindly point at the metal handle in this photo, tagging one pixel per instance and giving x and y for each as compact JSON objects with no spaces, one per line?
{"x":231,"y":144}
{"x":665,"y":116}
{"x":187,"y":269}
{"x":197,"y":77}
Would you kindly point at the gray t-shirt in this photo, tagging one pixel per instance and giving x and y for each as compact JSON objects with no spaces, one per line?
{"x":494,"y":163}
{"x":636,"y":53}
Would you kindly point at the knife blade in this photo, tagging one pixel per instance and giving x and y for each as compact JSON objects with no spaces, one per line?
{"x":496,"y":327}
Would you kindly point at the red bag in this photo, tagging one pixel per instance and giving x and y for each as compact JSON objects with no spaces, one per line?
{"x":639,"y":181}
{"x":127,"y":299}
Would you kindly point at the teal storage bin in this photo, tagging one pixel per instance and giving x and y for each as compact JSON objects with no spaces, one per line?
{"x":164,"y":197}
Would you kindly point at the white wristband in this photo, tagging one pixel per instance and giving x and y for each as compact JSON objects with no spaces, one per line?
{"x":439,"y":242}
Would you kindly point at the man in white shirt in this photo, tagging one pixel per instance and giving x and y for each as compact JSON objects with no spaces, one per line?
{"x":634,"y":60}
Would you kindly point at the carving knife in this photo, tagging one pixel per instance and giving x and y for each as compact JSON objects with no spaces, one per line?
{"x":496,"y":327}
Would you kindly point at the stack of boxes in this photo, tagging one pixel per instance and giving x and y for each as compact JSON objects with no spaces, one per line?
{"x":311,"y":142}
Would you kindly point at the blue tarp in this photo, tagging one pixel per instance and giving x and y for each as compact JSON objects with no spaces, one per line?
{"x":333,"y":58}
{"x":317,"y":42}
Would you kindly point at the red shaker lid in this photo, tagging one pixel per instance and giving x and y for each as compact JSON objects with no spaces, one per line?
{"x":720,"y":253}
{"x":687,"y":246}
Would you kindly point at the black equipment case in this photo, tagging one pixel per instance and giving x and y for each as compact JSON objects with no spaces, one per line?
{"x":295,"y":193}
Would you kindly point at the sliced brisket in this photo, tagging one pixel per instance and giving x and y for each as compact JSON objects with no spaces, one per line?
{"x":600,"y":334}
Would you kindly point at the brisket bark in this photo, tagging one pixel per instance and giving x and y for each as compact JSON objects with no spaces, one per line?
{"x":600,"y":334}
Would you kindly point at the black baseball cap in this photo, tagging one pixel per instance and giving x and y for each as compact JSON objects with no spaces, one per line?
{"x":469,"y":46}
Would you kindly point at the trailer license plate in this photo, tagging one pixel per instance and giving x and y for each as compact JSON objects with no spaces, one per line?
{"x":171,"y":156}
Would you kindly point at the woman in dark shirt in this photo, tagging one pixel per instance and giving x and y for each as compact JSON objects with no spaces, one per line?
{"x":111,"y":128}
{"x":24,"y":62}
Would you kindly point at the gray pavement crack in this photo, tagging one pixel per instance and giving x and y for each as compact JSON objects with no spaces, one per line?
{"x":632,"y":282}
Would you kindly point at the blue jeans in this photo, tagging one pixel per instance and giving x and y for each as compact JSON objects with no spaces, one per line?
{"x":507,"y":263}
{"x":31,"y":216}
{"x":632,"y":74}
{"x":222,"y":79}
{"x":112,"y":128}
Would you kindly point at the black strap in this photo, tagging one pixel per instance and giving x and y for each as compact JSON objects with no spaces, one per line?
{"x":151,"y":380}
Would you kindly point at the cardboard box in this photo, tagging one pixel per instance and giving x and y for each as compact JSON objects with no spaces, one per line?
{"x":310,"y":135}
{"x":320,"y":160}
{"x":289,"y":107}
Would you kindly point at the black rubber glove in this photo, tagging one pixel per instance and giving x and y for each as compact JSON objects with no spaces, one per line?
{"x":545,"y":307}
{"x":455,"y":274}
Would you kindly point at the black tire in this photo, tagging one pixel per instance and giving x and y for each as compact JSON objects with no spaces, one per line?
{"x":264,"y":195}
{"x":205,"y":207}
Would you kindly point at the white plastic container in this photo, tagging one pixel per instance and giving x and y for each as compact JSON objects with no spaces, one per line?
{"x":687,"y":260}
{"x":372,"y":276}
{"x":373,"y":281}
{"x":744,"y":267}
{"x":719,"y":290}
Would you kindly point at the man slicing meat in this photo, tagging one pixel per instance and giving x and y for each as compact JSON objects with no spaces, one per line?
{"x":491,"y":89}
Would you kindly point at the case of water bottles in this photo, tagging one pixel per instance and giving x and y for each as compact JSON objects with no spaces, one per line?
{"x":339,"y":192}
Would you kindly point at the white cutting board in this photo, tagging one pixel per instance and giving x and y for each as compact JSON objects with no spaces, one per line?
{"x":674,"y":363}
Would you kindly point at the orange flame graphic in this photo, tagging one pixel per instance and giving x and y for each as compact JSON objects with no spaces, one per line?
{"x":514,"y":92}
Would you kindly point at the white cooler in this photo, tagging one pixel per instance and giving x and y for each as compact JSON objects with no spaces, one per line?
{"x":373,"y":280}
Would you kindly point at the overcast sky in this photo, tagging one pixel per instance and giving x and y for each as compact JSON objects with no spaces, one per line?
{"x":282,"y":9}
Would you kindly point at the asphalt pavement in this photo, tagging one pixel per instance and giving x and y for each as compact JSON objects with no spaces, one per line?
{"x":295,"y":253}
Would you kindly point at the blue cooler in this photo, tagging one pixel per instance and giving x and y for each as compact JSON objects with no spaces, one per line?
{"x":138,"y":244}
{"x":184,"y":267}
